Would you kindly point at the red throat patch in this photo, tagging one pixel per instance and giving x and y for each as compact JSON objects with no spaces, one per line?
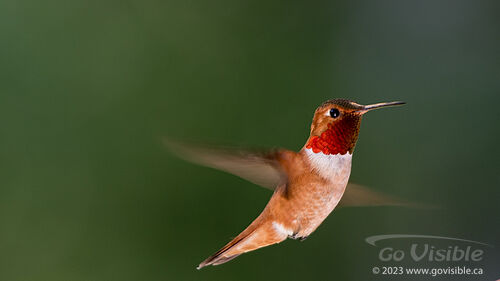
{"x":337,"y":139}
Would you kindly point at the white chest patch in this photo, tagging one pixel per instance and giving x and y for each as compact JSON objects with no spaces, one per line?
{"x":330,"y":166}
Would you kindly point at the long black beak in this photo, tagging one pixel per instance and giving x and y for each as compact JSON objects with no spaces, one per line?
{"x":367,"y":108}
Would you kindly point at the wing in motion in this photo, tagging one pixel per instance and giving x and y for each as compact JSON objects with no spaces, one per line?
{"x":260,"y":168}
{"x":264,"y":169}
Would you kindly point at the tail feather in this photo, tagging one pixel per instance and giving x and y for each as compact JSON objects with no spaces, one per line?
{"x":253,"y":237}
{"x":219,"y":260}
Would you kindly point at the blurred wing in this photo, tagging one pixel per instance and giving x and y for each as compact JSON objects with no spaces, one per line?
{"x":261,"y":168}
{"x":357,"y":195}
{"x":264,"y":169}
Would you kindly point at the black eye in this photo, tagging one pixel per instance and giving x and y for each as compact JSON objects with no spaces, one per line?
{"x":334,"y":113}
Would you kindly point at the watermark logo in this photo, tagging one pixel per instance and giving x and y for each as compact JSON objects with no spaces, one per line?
{"x":436,"y":255}
{"x":466,"y":250}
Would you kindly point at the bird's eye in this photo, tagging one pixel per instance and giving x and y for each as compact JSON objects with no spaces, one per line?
{"x":334,"y":113}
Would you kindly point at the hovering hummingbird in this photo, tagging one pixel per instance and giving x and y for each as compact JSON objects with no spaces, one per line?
{"x":307,"y":184}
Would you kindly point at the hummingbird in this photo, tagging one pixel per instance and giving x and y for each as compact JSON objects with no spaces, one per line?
{"x":307,"y":184}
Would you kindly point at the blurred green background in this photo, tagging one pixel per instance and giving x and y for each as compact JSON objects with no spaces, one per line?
{"x":88,"y":88}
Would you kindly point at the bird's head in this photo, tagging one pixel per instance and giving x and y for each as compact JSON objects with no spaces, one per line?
{"x":335,"y":125}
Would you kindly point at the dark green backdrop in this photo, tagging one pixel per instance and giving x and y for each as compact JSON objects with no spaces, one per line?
{"x":88,"y":88}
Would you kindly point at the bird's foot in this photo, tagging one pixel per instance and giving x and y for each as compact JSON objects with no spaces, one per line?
{"x":296,"y":236}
